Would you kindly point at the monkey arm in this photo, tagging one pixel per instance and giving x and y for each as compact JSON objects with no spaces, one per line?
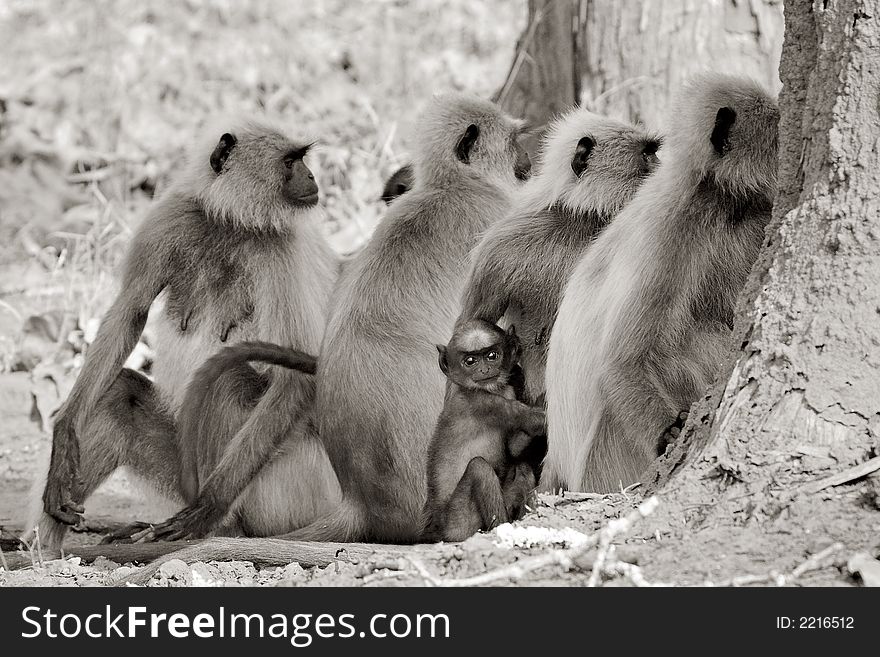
{"x":253,"y":446}
{"x":512,"y":415}
{"x":117,"y":336}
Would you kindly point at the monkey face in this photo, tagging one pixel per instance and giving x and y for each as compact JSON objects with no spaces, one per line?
{"x":299,"y":186}
{"x":480,"y":355}
{"x":483,"y":367}
{"x":648,"y":156}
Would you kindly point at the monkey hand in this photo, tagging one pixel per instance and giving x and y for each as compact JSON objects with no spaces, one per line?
{"x":63,"y":484}
{"x":195,"y":521}
{"x":672,"y":432}
{"x":534,"y":421}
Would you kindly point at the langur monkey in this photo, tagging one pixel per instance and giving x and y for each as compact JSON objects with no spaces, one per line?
{"x":485,"y":456}
{"x":235,"y":250}
{"x":646,"y":317}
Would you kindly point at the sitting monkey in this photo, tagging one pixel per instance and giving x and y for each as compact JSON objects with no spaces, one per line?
{"x":485,"y":455}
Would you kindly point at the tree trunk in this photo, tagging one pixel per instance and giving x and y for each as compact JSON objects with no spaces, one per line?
{"x":624,"y":58}
{"x":636,"y":53}
{"x":543,"y":79}
{"x":801,"y":400}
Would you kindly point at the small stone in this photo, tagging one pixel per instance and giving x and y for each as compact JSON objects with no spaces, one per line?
{"x":104,"y":564}
{"x":175,"y":570}
{"x":292,"y":571}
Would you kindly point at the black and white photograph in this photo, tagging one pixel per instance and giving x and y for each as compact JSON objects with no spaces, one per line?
{"x":440,"y":294}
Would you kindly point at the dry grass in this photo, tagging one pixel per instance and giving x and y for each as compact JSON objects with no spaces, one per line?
{"x":98,"y":99}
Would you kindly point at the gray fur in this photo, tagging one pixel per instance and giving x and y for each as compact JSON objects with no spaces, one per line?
{"x":645,"y":318}
{"x":379,"y":391}
{"x":232,"y":262}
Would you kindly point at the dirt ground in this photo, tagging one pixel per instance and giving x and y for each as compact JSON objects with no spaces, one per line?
{"x":669,"y":547}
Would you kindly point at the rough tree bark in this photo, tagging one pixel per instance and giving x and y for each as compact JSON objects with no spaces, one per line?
{"x":801,"y":399}
{"x":624,"y":58}
{"x":543,"y":79}
{"x":635,"y":53}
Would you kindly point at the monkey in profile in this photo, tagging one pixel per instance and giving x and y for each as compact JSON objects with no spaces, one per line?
{"x":646,"y":317}
{"x":377,"y":394}
{"x":590,"y":167}
{"x":235,"y":250}
{"x":398,"y":184}
{"x":485,"y":456}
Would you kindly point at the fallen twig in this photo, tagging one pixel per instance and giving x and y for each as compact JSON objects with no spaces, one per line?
{"x":815,"y":562}
{"x":848,"y":475}
{"x":564,"y":558}
{"x":633,"y":573}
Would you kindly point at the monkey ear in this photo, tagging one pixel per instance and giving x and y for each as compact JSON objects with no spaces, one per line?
{"x":443,"y":359}
{"x":725,"y":118}
{"x":581,"y":155}
{"x":466,"y":143}
{"x":222,"y":151}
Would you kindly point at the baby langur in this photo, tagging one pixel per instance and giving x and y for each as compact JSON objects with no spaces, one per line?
{"x":646,"y":318}
{"x":399,"y":183}
{"x":485,"y":456}
{"x":590,"y":167}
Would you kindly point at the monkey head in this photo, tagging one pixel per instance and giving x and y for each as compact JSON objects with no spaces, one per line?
{"x":480,"y":355}
{"x":591,"y":162}
{"x":253,"y":176}
{"x":725,"y":129}
{"x":461,"y":135}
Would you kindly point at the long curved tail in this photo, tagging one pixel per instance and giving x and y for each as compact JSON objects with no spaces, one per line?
{"x":264,"y":352}
{"x":326,"y":540}
{"x":243,"y":352}
{"x":193,"y":418}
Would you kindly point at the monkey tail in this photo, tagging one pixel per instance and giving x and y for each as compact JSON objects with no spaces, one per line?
{"x":225,"y":359}
{"x":342,"y":524}
{"x":322,"y":542}
{"x":192,"y":411}
{"x":264,"y":352}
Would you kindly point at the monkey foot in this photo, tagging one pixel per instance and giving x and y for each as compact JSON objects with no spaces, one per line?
{"x":64,"y":484}
{"x":58,"y":498}
{"x":127,"y":534}
{"x":191,"y":522}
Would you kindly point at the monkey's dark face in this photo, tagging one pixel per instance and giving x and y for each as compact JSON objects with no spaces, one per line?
{"x":648,"y":160}
{"x":480,"y":355}
{"x":299,"y":185}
